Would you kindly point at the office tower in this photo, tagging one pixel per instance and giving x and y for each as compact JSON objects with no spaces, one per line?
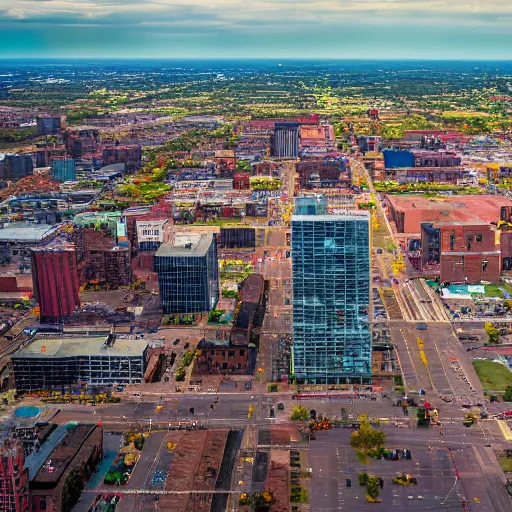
{"x":14,"y":167}
{"x":331,"y":295}
{"x":48,"y":125}
{"x":285,"y":140}
{"x":55,"y":277}
{"x":188,"y":274}
{"x":63,"y":169}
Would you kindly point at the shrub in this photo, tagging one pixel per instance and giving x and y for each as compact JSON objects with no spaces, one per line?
{"x":272,"y":388}
{"x":373,"y":487}
{"x":138,"y":442}
{"x":299,"y":413}
{"x":363,"y":479}
{"x":180,"y":374}
{"x":403,"y":479}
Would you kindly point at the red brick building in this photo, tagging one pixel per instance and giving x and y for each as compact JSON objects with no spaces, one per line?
{"x":469,"y":252}
{"x":219,"y":357}
{"x":14,"y":490}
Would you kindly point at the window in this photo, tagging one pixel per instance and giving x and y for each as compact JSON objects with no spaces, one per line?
{"x":484,"y":265}
{"x":452,"y":241}
{"x":479,"y":238}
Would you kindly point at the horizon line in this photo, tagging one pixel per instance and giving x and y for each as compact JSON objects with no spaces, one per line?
{"x":277,"y":59}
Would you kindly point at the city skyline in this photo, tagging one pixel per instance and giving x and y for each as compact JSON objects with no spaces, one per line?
{"x":256,"y":29}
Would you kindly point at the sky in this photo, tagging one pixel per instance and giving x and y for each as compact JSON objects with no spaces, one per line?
{"x":315,"y":29}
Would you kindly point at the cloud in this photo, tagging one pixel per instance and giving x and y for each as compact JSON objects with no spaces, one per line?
{"x":285,"y":21}
{"x":258,"y":12}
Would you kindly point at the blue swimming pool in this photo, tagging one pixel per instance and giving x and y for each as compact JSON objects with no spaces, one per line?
{"x":26,"y":411}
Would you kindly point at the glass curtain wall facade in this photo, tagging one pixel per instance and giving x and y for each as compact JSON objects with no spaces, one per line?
{"x":331,"y":298}
{"x":188,"y":283}
{"x":285,"y":141}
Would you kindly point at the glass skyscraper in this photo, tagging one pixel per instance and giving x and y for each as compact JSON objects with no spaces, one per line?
{"x":188,"y":274}
{"x":331,"y":298}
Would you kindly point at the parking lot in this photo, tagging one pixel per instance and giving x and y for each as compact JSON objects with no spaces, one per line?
{"x":435,"y":463}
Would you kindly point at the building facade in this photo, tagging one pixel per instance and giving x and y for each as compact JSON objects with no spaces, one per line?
{"x":55,"y":278}
{"x":285,"y":140}
{"x":14,"y":489}
{"x":188,"y":274}
{"x":48,"y":125}
{"x":56,"y":362}
{"x":14,"y":167}
{"x":63,"y":169}
{"x":331,"y":298}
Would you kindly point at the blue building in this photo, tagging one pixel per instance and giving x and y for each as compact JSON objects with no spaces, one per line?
{"x":188,"y":274}
{"x":310,"y":205}
{"x":331,"y":298}
{"x":397,"y":159}
{"x":63,"y":169}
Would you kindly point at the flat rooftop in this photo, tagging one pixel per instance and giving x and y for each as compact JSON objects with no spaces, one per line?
{"x":353,"y":215}
{"x":193,"y":244}
{"x":470,"y":208}
{"x":54,"y":347}
{"x":27,"y":232}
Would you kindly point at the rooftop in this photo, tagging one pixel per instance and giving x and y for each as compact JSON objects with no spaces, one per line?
{"x":27,"y":232}
{"x":468,"y":208}
{"x":349,"y":215}
{"x":192,"y":244}
{"x":45,"y":347}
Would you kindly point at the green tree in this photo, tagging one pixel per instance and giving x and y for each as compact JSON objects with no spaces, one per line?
{"x":366,"y":440}
{"x":373,"y":487}
{"x":138,"y":442}
{"x":300,"y":413}
{"x":71,"y":491}
{"x":492,"y":333}
{"x":507,"y":396}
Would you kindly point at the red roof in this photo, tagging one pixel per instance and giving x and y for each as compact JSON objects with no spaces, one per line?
{"x":419,"y":209}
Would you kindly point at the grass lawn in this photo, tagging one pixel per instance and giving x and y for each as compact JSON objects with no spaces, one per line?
{"x":493,"y":376}
{"x":491,"y":290}
{"x":505,"y":463}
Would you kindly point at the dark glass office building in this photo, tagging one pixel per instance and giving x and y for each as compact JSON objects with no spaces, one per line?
{"x":331,"y":298}
{"x":285,"y":140}
{"x":188,"y":274}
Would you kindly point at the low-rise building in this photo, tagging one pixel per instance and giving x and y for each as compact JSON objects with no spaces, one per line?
{"x":54,"y":361}
{"x":220,"y":357}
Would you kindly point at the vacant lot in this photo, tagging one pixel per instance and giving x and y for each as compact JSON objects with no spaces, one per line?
{"x":494,"y":376}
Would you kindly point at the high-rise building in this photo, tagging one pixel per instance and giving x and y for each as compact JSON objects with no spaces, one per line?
{"x":331,"y":298}
{"x":63,"y":169}
{"x":48,"y":125}
{"x":285,"y":140}
{"x":14,"y":167}
{"x":14,"y":490}
{"x":130,"y":155}
{"x":188,"y":274}
{"x":55,"y":277}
